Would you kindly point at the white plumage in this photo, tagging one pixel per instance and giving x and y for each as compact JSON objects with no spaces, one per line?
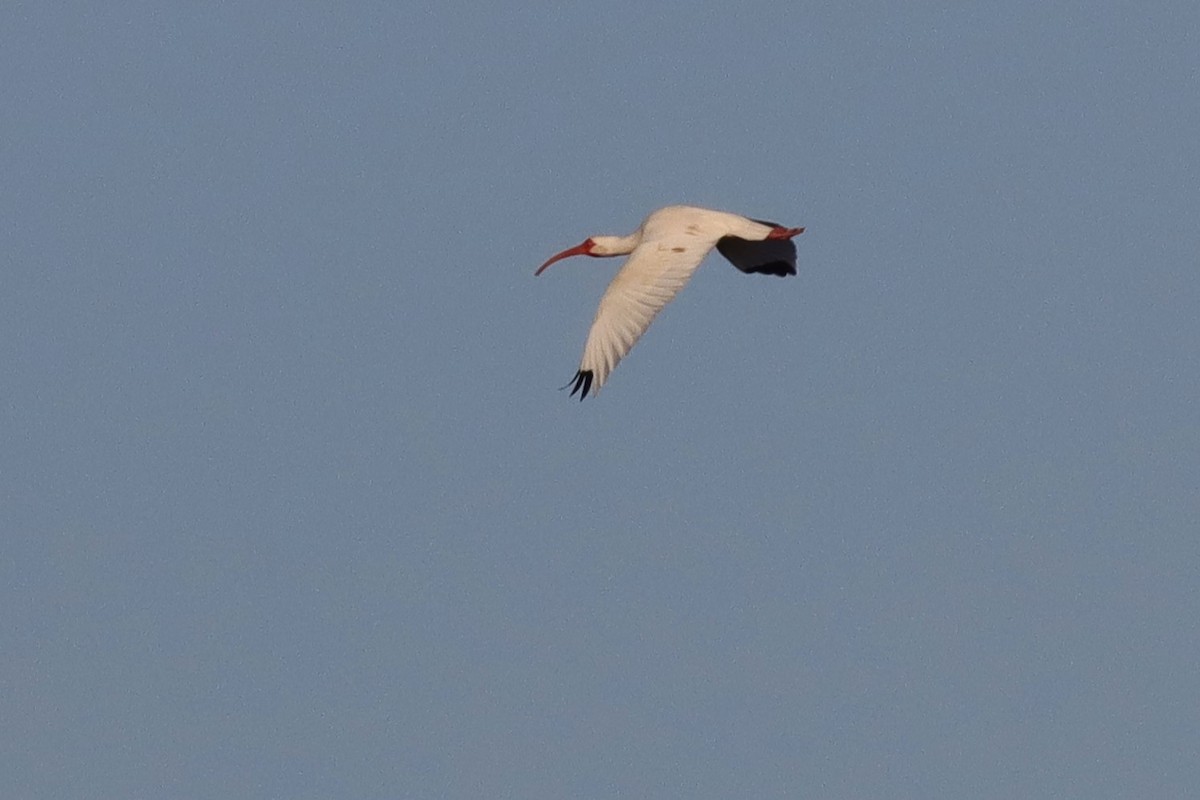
{"x":663,"y":253}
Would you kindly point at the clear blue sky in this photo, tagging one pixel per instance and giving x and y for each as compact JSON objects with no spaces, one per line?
{"x":291,"y":506}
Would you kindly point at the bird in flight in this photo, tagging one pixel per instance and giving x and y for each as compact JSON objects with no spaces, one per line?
{"x":663,"y":253}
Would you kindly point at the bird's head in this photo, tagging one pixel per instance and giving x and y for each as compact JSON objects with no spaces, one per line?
{"x":597,"y":247}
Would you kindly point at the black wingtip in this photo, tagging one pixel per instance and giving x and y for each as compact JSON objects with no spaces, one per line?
{"x":768,"y":257}
{"x":779,"y":268}
{"x":581,"y":380}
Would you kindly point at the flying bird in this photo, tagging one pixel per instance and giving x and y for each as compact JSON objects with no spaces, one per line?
{"x":663,"y":253}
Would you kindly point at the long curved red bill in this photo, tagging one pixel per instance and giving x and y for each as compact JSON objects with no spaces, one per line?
{"x":578,"y":250}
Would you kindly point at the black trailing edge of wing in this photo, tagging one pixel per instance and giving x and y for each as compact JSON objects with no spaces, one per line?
{"x":582,"y":380}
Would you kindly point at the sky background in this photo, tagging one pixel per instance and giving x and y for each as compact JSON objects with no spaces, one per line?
{"x":291,"y":505}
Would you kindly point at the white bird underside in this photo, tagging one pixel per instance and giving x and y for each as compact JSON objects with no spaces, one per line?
{"x":664,"y":252}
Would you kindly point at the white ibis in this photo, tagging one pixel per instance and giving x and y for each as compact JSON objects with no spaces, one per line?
{"x":663,"y":253}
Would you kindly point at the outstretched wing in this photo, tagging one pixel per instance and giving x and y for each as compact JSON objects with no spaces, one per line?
{"x":650,"y":278}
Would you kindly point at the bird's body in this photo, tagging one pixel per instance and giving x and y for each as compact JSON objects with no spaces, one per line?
{"x":663,"y":253}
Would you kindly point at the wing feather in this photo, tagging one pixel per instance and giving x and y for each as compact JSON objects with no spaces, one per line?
{"x":650,"y":278}
{"x":770,"y":257}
